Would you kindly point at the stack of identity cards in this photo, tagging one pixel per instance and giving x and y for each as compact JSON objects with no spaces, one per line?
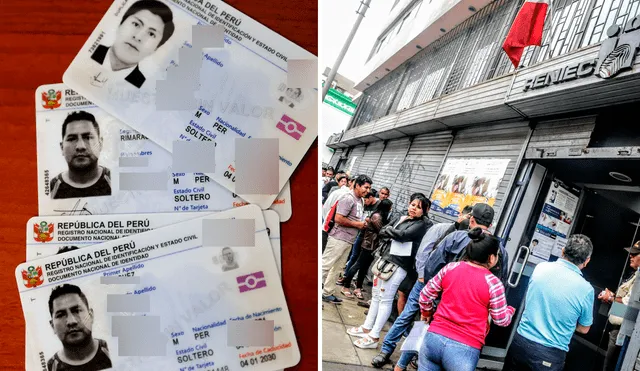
{"x":163,"y":166}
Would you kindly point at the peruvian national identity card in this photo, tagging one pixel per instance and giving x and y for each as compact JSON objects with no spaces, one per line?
{"x":179,"y":307}
{"x":202,"y":72}
{"x":90,"y":163}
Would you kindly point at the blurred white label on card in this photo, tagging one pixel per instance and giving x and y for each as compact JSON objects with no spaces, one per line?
{"x":241,"y":91}
{"x":90,"y":163}
{"x":187,"y":319}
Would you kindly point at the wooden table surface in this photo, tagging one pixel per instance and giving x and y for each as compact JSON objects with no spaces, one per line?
{"x":38,"y":40}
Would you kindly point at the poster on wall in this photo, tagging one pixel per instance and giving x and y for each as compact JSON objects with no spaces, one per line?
{"x":465,"y":182}
{"x":554,"y":222}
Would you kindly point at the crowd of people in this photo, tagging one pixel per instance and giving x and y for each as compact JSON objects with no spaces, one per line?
{"x":453,"y":277}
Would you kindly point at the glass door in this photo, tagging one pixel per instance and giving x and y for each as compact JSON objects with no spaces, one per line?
{"x":552,"y":220}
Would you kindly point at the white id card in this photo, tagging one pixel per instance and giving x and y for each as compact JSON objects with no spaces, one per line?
{"x":178,"y":311}
{"x":401,"y":248}
{"x":131,"y":63}
{"x":53,"y":235}
{"x":91,"y":163}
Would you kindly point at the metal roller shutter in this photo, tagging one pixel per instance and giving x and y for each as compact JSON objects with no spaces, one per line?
{"x":370,"y":159}
{"x":353,"y":159}
{"x":390,"y":162}
{"x":551,"y":137}
{"x":490,"y":141}
{"x":335,"y":158}
{"x":420,"y":168}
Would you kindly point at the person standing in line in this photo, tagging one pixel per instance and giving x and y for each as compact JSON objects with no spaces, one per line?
{"x":470,"y":294}
{"x":553,"y":311}
{"x":341,"y":180}
{"x":369,"y":202}
{"x":621,"y":296}
{"x":406,"y":229}
{"x":384,"y":193}
{"x":330,"y":184}
{"x":349,"y":219}
{"x":329,"y":209}
{"x":453,"y":246}
{"x":378,"y":219}
{"x":404,"y":290}
{"x":403,"y":323}
{"x":328,"y":175}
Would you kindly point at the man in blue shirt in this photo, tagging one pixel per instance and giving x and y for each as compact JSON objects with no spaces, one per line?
{"x":559,"y":302}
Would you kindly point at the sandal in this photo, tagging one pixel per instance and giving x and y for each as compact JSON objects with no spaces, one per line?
{"x":357,"y":331}
{"x":346,"y":293}
{"x":366,"y":343}
{"x":358,"y":294}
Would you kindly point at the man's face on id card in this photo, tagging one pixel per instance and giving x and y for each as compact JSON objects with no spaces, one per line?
{"x":81,"y":145}
{"x":138,"y":37}
{"x":71,"y":320}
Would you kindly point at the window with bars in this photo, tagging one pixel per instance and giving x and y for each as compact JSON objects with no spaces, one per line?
{"x":574,"y":24}
{"x":472,"y":52}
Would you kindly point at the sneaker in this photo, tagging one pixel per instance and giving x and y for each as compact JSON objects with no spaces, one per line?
{"x":331,"y":299}
{"x":380,"y":360}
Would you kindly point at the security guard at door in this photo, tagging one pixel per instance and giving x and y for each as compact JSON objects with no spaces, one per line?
{"x":621,"y":296}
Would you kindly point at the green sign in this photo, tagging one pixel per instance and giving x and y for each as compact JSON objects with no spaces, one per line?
{"x":340,"y":101}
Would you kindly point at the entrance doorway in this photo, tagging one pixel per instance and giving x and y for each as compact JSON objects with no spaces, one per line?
{"x":609,"y":225}
{"x":608,"y":211}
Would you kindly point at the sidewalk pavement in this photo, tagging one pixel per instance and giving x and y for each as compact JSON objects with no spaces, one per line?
{"x":338,"y":351}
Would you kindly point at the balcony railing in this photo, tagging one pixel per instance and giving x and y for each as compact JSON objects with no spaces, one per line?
{"x":472,"y":52}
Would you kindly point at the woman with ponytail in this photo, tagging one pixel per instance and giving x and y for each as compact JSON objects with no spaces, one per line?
{"x":470,"y":294}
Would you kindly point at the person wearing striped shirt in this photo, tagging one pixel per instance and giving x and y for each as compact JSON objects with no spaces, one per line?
{"x":471,"y":294}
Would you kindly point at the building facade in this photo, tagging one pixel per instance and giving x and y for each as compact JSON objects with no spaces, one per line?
{"x":560,"y":125}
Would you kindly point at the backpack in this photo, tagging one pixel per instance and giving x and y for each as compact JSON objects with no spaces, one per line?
{"x":331,"y":218}
{"x":497,"y":270}
{"x":451,"y":229}
{"x":331,"y":215}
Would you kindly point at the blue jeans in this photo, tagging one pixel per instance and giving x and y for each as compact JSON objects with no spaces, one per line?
{"x":439,"y":352}
{"x":355,"y":251}
{"x":402,"y":323}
